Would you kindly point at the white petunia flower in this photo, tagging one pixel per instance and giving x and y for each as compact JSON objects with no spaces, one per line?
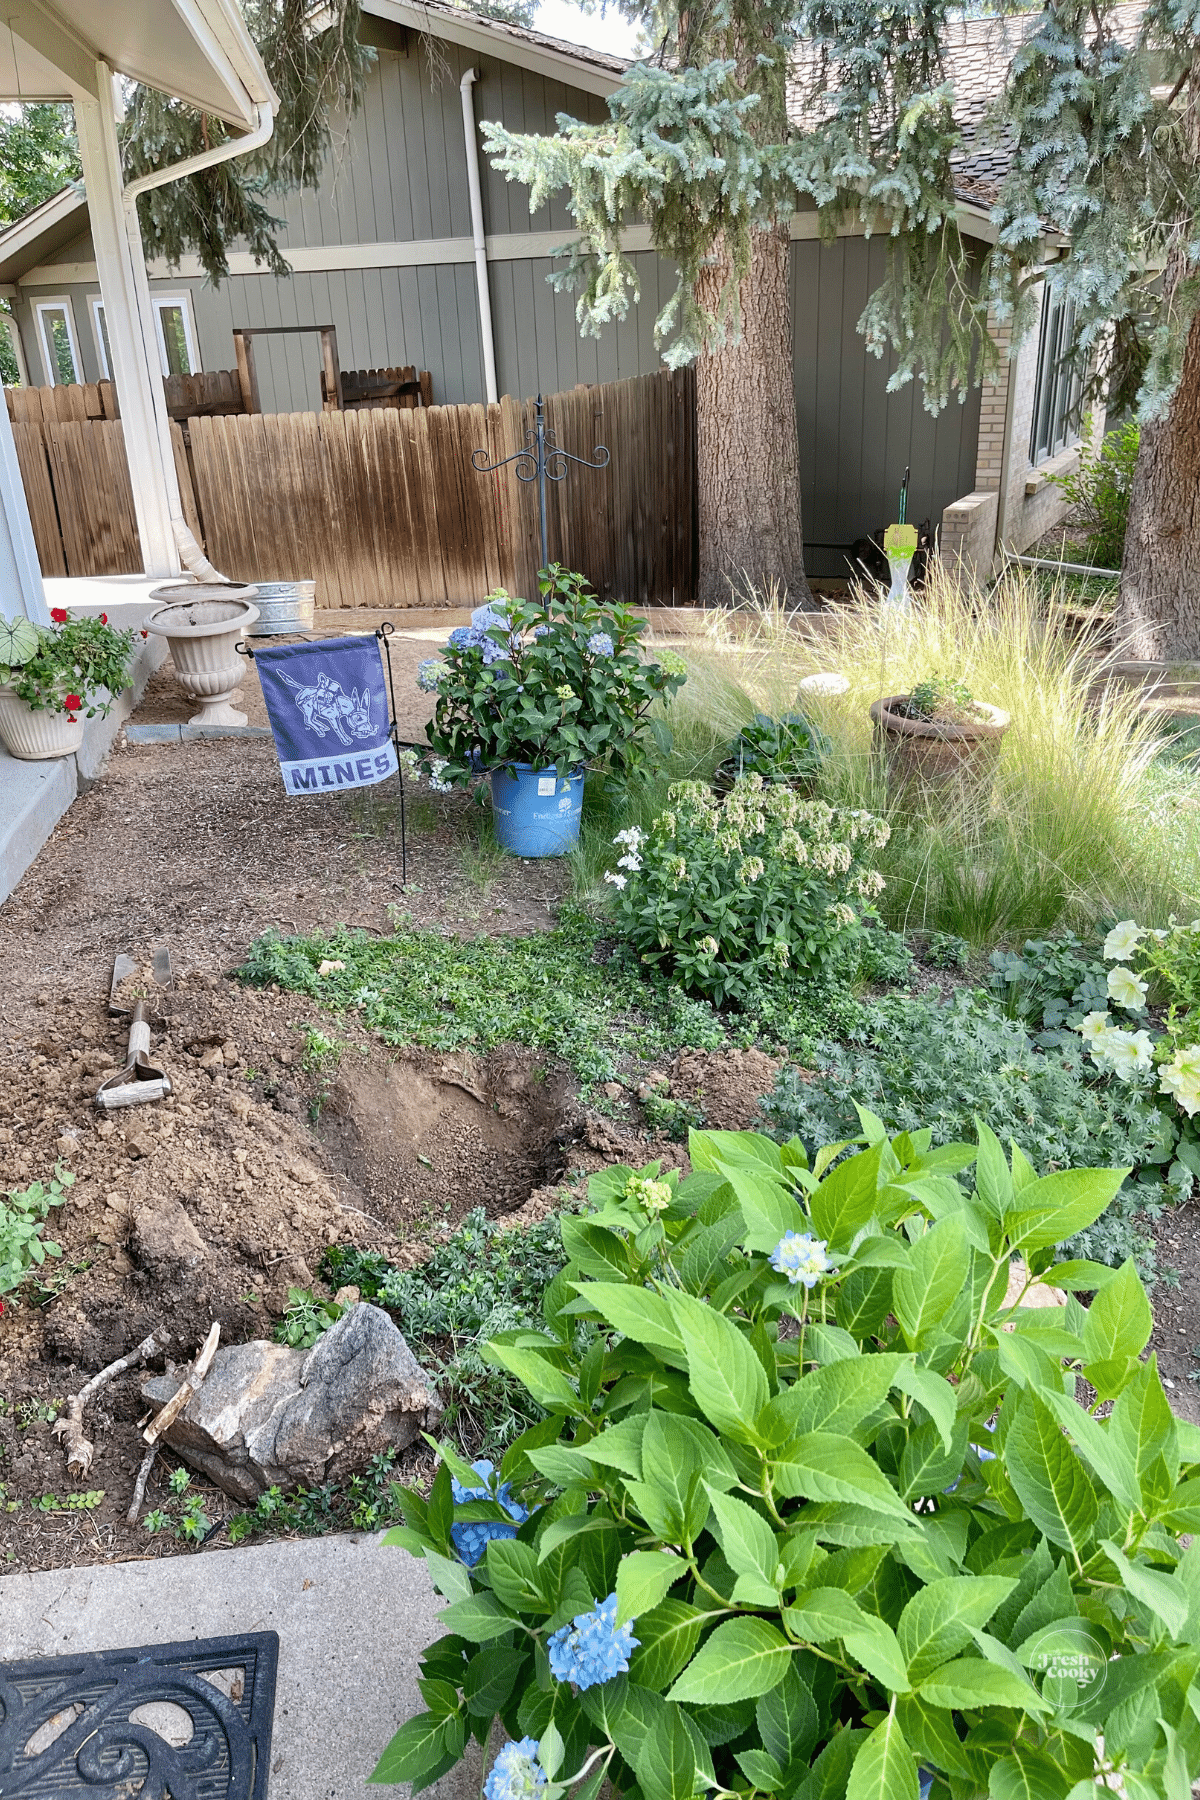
{"x":1125,"y":988}
{"x":1126,"y":1053}
{"x":1122,"y":941}
{"x":1094,"y":1026}
{"x":1181,"y":1079}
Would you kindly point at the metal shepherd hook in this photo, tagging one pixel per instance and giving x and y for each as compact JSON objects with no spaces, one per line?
{"x":541,"y":458}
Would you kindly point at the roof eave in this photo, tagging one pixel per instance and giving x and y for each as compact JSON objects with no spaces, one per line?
{"x":486,"y":37}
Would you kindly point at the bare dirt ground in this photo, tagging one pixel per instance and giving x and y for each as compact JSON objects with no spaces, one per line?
{"x":210,"y":1204}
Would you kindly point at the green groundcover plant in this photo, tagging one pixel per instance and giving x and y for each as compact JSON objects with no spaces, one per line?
{"x":815,"y":1511}
{"x":721,"y":891}
{"x":790,"y":748}
{"x":562,"y":682}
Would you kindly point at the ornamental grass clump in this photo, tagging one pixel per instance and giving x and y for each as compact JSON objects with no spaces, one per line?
{"x":1085,"y":820}
{"x":562,"y":683}
{"x":814,"y":1511}
{"x":722,"y":891}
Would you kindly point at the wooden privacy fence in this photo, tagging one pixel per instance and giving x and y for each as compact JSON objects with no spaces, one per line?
{"x":381,"y":505}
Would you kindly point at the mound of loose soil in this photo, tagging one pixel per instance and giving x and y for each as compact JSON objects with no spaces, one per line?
{"x":726,"y":1085}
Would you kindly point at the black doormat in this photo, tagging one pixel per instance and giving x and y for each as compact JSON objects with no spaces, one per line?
{"x":67,"y":1728}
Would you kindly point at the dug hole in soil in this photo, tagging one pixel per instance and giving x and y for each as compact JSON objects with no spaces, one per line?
{"x":211,"y":1203}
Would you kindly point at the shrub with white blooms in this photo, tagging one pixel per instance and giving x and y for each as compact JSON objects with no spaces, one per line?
{"x":722,"y":890}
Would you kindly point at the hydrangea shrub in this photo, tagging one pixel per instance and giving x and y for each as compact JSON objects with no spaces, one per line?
{"x":562,"y":682}
{"x":720,"y":890}
{"x":815,"y":1511}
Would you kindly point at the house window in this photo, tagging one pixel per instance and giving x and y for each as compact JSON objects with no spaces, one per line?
{"x":57,"y":341}
{"x":100,"y":333}
{"x":1059,"y":390}
{"x":12,"y":353}
{"x":177,"y":352}
{"x":176,"y":334}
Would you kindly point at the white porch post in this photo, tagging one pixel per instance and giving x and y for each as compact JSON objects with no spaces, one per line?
{"x":21,"y":589}
{"x":136,"y":368}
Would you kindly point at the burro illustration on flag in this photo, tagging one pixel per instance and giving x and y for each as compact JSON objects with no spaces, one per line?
{"x":327,"y":703}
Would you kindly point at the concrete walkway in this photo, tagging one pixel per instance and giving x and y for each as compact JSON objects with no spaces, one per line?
{"x":352,"y":1615}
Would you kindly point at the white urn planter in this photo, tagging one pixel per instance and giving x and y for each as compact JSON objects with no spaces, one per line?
{"x":202,"y":621}
{"x":36,"y":736}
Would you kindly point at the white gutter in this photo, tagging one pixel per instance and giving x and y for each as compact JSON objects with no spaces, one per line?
{"x":477,"y":232}
{"x":190,"y":552}
{"x":205,"y":159}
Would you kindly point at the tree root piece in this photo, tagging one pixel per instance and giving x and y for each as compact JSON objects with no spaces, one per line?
{"x":79,"y":1449}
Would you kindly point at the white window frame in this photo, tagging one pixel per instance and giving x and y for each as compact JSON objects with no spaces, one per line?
{"x":96,"y":307}
{"x":183,"y":301}
{"x":8,"y":320}
{"x":46,"y":303}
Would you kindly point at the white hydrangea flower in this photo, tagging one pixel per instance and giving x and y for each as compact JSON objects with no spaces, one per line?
{"x":1125,"y":988}
{"x":1122,"y":941}
{"x":1181,"y":1079}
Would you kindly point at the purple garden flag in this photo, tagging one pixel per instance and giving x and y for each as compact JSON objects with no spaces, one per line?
{"x":327,"y":703}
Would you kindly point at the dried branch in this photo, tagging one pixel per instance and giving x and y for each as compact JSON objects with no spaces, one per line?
{"x":188,"y":1386}
{"x":191,"y":1383}
{"x":69,"y":1428}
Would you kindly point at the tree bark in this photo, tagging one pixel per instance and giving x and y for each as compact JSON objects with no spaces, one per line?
{"x":748,"y":462}
{"x":1158,"y":618}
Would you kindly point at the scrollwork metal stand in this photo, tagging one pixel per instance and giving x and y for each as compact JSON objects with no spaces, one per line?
{"x":541,"y":460}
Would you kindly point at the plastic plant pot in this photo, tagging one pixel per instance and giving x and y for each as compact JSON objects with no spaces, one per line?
{"x":536,"y":812}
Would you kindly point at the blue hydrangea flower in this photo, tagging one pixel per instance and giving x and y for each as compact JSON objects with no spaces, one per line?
{"x":802,"y":1258}
{"x":464,"y":637}
{"x":493,"y":653}
{"x":541,"y":631}
{"x":594,"y":1648}
{"x":600,"y":644}
{"x":470,"y":1536}
{"x":428,"y":673}
{"x":516,"y":1773}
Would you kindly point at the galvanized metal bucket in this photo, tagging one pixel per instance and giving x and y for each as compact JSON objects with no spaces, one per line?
{"x":284,"y":606}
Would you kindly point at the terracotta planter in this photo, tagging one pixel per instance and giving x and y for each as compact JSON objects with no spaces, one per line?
{"x":940,"y":756}
{"x":201,"y":623}
{"x":37,"y":736}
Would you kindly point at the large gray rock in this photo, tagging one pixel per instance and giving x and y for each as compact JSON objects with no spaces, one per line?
{"x":268,"y":1416}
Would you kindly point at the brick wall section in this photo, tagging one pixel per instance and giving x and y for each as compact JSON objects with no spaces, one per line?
{"x":1017,"y":518}
{"x":968,"y":537}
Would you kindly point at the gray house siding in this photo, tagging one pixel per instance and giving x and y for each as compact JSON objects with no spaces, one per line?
{"x":398,"y":177}
{"x":856,"y":439}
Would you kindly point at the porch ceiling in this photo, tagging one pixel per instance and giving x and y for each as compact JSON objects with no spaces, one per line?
{"x":197,"y":50}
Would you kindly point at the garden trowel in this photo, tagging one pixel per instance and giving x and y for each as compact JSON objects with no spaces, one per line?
{"x":139,"y":1080}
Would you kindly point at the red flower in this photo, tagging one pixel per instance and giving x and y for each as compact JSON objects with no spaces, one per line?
{"x":145,"y":634}
{"x":59,"y":614}
{"x":72,"y":703}
{"x":104,"y":618}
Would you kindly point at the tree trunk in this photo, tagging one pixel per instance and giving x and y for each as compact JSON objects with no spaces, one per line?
{"x":1159,"y":613}
{"x":748,"y":463}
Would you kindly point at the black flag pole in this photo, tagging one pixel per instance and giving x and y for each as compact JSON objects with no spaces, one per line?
{"x":384,"y":634}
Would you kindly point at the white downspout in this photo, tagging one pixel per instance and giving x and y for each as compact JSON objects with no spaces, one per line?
{"x":190,"y":552}
{"x":477,"y":233}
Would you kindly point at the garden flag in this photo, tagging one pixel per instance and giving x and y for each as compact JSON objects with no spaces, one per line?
{"x":328,"y":708}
